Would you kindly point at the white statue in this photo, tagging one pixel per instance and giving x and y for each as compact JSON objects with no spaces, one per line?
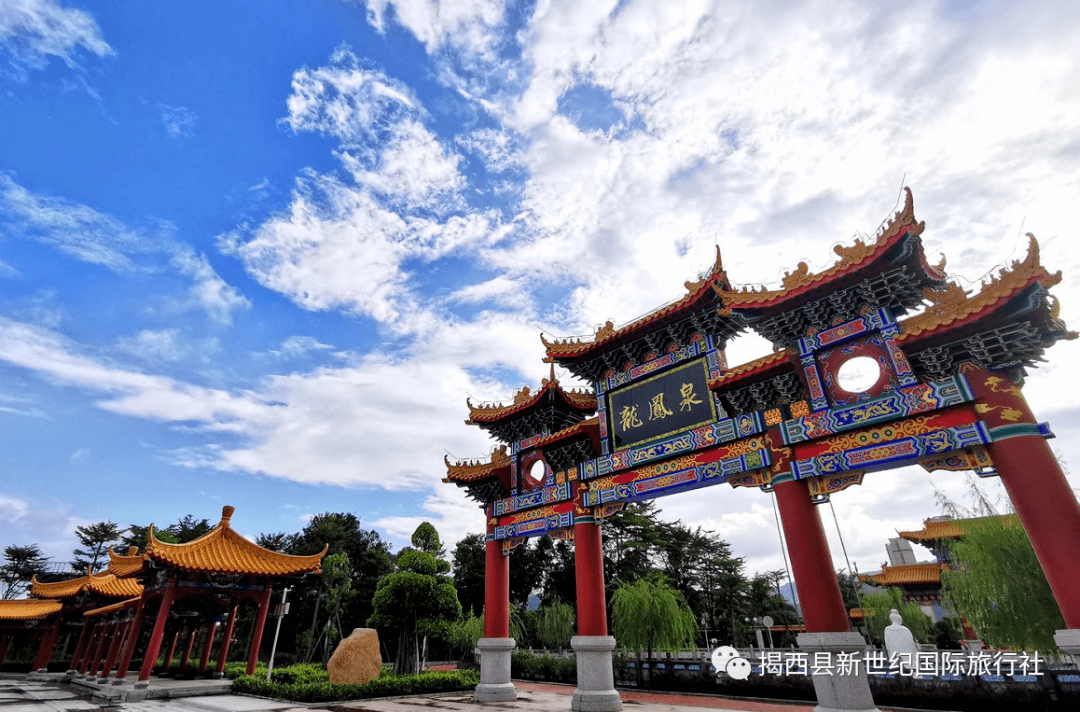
{"x":900,"y":643}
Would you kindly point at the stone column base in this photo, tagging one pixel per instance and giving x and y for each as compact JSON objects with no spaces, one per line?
{"x":595,"y":679}
{"x":1068,"y":640}
{"x":837,"y":693}
{"x":495,"y":685}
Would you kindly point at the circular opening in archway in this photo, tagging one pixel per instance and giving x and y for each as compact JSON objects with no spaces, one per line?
{"x":858,"y":374}
{"x":537,"y":472}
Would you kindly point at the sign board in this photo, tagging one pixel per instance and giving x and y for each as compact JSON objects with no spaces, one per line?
{"x":670,"y":402}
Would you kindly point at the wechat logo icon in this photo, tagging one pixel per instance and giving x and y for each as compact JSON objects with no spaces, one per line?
{"x":727,"y":660}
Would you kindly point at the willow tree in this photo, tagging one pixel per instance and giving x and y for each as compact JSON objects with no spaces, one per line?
{"x":877,"y":606}
{"x":555,"y":625}
{"x":650,"y":615}
{"x":997,"y":584}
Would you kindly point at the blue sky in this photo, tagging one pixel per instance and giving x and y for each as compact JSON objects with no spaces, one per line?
{"x":260,"y":254}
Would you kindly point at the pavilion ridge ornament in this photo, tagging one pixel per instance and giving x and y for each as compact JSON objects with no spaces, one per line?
{"x":942,"y":372}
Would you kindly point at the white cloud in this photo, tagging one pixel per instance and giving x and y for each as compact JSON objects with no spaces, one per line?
{"x":398,"y":200}
{"x":34,"y":30}
{"x":467,"y":25}
{"x":89,"y":236}
{"x":178,"y":120}
{"x":76,"y":230}
{"x":12,"y":509}
{"x":209,"y":291}
{"x":300,"y":346}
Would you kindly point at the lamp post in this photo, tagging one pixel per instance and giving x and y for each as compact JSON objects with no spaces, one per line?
{"x":283,"y":608}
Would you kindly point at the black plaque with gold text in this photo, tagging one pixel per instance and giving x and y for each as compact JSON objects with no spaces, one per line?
{"x":667,"y":403}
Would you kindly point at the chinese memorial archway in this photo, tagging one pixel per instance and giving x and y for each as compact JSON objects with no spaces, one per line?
{"x":666,"y":414}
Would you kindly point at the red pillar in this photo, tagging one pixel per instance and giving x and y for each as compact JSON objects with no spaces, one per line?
{"x":4,"y":646}
{"x":226,"y":637}
{"x":496,"y":591}
{"x":159,"y":631}
{"x":811,"y":564}
{"x":256,"y":636}
{"x":91,"y":646}
{"x":187,"y":648}
{"x":205,"y":659}
{"x":118,"y":630}
{"x":84,"y":638}
{"x":1037,"y":487}
{"x":48,"y":643}
{"x":98,"y":655}
{"x":131,"y":641}
{"x":589,"y":575}
{"x":172,"y":650}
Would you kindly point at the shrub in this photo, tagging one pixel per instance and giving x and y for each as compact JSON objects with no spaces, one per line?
{"x":382,"y":686}
{"x":543,"y":667}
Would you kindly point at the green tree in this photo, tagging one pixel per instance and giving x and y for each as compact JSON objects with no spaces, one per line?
{"x":335,"y":591}
{"x":138,"y":537}
{"x":418,"y":599}
{"x":468,"y":569}
{"x":996,"y":582}
{"x":631,"y":540}
{"x":878,"y":605}
{"x":189,"y":529}
{"x":559,"y":580}
{"x":369,"y":561}
{"x":20,"y":565}
{"x":649,"y":615}
{"x":555,"y":625}
{"x":95,"y":540}
{"x":279,"y":541}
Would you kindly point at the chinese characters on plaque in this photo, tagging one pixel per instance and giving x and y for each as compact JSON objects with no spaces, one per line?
{"x":668,"y":403}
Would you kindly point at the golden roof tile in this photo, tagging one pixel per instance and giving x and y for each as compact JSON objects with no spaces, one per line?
{"x":851,"y":258}
{"x":750,"y":368}
{"x":222,"y":550}
{"x":28,"y":609}
{"x":952,"y":304}
{"x":525,"y":398}
{"x":102,"y":582}
{"x":906,"y":574}
{"x":68,"y":588}
{"x":939,"y":529}
{"x":474,"y":470}
{"x":125,"y":565}
{"x":589,"y":427}
{"x":107,"y":584}
{"x":562,"y":348}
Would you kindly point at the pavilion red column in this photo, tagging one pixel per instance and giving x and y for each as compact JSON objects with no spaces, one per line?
{"x":496,"y":591}
{"x":207,"y":646}
{"x":48,"y":644}
{"x":84,"y":637}
{"x":98,"y":656}
{"x":91,"y":646}
{"x":119,"y":630}
{"x":174,"y":641}
{"x":187,"y":648}
{"x":260,"y":624}
{"x":154,"y":648}
{"x":589,"y":575}
{"x":131,"y":641}
{"x":226,"y":637}
{"x":4,"y":638}
{"x":811,"y":563}
{"x":1038,"y":489}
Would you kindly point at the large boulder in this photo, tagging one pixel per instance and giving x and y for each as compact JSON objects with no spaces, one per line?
{"x":357,"y":659}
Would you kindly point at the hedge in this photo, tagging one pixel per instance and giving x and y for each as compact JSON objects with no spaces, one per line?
{"x":383,"y":686}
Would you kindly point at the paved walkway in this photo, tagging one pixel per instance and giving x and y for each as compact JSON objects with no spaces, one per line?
{"x":19,"y":695}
